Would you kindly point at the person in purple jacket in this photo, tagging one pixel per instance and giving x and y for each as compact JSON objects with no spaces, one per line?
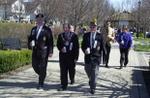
{"x":125,"y":43}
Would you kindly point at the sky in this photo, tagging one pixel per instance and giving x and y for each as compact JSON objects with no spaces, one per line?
{"x":123,"y":4}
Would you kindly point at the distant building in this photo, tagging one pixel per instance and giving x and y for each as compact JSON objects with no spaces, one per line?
{"x":5,"y":9}
{"x":122,"y":19}
{"x":2,"y":12}
{"x":19,"y":10}
{"x":23,"y":11}
{"x":28,"y":0}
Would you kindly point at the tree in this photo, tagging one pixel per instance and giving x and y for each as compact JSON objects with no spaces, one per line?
{"x":18,"y":9}
{"x":75,"y":11}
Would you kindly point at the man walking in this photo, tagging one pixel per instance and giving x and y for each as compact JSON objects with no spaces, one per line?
{"x":125,"y":43}
{"x":41,"y":43}
{"x":68,"y":47}
{"x":92,"y":45}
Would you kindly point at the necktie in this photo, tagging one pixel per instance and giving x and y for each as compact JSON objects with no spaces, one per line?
{"x":93,"y":36}
{"x":92,"y":40}
{"x":39,"y":29}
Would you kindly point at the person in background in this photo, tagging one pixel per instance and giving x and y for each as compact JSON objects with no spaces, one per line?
{"x":68,"y":46}
{"x":92,"y":45}
{"x":41,"y":43}
{"x":117,"y":34}
{"x":125,"y":43}
{"x":72,"y":28}
{"x":99,"y":29}
{"x":109,"y":39}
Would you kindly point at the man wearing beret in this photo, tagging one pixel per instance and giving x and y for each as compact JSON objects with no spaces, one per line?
{"x":41,"y":43}
{"x":92,"y":45}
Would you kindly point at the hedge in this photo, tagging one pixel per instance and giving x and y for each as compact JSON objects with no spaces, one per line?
{"x":12,"y":59}
{"x":15,"y":30}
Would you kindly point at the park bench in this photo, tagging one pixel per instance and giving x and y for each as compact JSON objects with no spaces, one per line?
{"x":10,"y":43}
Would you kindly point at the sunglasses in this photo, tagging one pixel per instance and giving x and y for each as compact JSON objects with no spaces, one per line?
{"x":92,"y":26}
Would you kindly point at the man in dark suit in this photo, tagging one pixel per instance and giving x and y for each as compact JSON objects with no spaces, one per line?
{"x":92,"y":45}
{"x":41,"y":42}
{"x":68,"y":47}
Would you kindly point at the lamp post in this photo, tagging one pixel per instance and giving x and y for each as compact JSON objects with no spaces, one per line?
{"x":139,"y":18}
{"x":4,"y":4}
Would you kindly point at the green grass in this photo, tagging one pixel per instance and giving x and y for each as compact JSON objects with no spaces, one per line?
{"x":142,"y":44}
{"x":141,"y":39}
{"x":144,"y":48}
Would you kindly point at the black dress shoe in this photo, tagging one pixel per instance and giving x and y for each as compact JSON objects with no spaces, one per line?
{"x":92,"y":91}
{"x":72,"y":82}
{"x":40,"y":87}
{"x":106,"y":66}
{"x":120,"y":67}
{"x":89,"y":82}
{"x":125,"y":65}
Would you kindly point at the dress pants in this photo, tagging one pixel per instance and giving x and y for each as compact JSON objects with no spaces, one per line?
{"x":92,"y":70}
{"x":67,"y":66}
{"x":39,"y":65}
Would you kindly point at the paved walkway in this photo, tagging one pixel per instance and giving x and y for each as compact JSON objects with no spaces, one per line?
{"x":112,"y":82}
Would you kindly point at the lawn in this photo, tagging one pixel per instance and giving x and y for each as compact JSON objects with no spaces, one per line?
{"x":142,"y":44}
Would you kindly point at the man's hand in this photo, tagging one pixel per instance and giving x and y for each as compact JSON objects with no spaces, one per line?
{"x":75,"y":60}
{"x":113,"y":40}
{"x":50,"y":55}
{"x":63,"y":50}
{"x":87,"y":51}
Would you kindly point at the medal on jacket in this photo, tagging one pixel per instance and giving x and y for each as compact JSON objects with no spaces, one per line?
{"x":67,"y":43}
{"x":33,"y":32}
{"x":44,"y":38}
{"x":98,"y":48}
{"x":95,"y":44}
{"x":71,"y":46}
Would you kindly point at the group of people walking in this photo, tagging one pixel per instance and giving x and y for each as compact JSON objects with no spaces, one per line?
{"x":94,"y":45}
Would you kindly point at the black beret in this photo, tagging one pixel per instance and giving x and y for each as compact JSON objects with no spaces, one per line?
{"x":93,"y":24}
{"x":40,"y":15}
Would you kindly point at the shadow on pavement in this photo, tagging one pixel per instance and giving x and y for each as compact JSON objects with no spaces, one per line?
{"x":146,"y":76}
{"x":118,"y":89}
{"x":26,"y":85}
{"x":82,"y":64}
{"x":140,"y":83}
{"x":57,"y":61}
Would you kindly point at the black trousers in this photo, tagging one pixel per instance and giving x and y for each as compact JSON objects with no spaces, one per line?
{"x":124,"y":56}
{"x":107,"y":54}
{"x":67,"y":65}
{"x":92,"y":70}
{"x":39,"y":65}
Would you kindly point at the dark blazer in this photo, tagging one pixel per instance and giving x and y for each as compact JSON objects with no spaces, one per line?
{"x":74,"y":53}
{"x":44,"y":43}
{"x":96,"y":52}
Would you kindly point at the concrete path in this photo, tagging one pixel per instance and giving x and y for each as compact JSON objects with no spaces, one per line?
{"x":112,"y":82}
